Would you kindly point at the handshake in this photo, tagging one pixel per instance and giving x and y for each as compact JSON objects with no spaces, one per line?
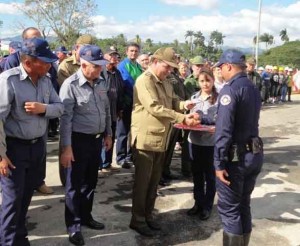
{"x":192,"y":119}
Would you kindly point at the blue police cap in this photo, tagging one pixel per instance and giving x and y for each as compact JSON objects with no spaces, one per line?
{"x":62,"y":49}
{"x":16,"y":45}
{"x":231,"y":56}
{"x":92,"y":54}
{"x":39,"y":48}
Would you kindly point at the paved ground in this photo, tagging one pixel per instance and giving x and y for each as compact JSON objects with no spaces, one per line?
{"x":275,"y":203}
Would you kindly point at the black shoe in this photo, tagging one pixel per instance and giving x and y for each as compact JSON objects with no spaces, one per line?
{"x":93,"y":224}
{"x":163,"y":182}
{"x":154,"y":225}
{"x":144,"y":230}
{"x":205,"y":214}
{"x":170,"y":177}
{"x":126,"y":165}
{"x":76,"y":238}
{"x":194,"y":210}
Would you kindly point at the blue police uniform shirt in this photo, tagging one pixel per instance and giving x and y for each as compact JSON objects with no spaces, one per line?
{"x":86,"y":107}
{"x":16,"y":89}
{"x":237,"y":116}
{"x":13,"y":60}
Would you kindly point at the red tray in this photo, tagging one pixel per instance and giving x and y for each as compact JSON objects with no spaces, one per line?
{"x":203,"y":128}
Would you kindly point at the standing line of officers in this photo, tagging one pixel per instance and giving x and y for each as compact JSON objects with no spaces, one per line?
{"x":91,"y":109}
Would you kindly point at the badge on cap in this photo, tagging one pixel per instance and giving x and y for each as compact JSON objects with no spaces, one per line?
{"x":225,"y":100}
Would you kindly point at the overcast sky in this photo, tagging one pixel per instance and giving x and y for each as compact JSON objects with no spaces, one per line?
{"x":167,"y":20}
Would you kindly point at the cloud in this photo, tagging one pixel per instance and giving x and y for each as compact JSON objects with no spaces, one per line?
{"x":10,"y":8}
{"x":239,"y":28}
{"x":204,"y":4}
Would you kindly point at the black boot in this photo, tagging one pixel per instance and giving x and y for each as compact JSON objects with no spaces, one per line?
{"x":232,"y":239}
{"x":194,"y":210}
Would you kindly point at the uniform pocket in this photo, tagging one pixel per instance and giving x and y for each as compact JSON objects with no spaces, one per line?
{"x":155,"y":136}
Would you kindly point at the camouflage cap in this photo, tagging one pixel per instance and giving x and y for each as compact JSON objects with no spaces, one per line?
{"x":85,"y":39}
{"x":197,"y":60}
{"x":167,"y":55}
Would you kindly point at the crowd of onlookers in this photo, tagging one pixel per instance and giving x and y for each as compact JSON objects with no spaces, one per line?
{"x":194,"y":80}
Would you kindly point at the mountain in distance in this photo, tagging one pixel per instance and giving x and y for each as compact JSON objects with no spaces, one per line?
{"x":245,"y":50}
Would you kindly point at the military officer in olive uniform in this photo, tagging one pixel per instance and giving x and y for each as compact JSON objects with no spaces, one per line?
{"x":71,"y":64}
{"x":154,"y":111}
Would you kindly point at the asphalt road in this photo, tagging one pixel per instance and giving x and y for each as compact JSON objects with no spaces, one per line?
{"x":275,"y":200}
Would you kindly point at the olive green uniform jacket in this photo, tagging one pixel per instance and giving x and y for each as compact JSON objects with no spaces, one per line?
{"x":154,"y":110}
{"x":68,"y":67}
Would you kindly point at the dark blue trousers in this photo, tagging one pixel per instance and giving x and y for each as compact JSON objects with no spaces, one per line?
{"x":123,"y":148}
{"x":234,"y":200}
{"x":81,"y":180}
{"x":17,"y":189}
{"x":203,"y":175}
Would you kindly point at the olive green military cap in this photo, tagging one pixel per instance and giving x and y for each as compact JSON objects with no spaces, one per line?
{"x":85,"y":39}
{"x":197,"y":60}
{"x":166,"y":54}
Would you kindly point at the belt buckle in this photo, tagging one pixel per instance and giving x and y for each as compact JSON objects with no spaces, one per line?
{"x":33,"y":141}
{"x":98,"y":135}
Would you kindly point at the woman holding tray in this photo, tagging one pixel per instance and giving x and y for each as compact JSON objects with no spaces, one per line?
{"x":201,"y":147}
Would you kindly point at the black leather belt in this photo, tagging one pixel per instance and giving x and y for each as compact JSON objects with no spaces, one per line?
{"x":24,"y":141}
{"x":87,"y":136}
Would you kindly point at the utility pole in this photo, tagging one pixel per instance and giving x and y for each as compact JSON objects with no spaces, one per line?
{"x":258,"y":32}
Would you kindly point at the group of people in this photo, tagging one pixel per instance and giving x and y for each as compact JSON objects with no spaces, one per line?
{"x":136,"y":101}
{"x":275,"y":83}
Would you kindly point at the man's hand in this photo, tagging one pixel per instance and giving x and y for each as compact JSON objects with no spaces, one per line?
{"x":192,"y":119}
{"x":5,"y":166}
{"x":35,"y":107}
{"x":66,"y":156}
{"x":222,"y":175}
{"x":107,"y":143}
{"x":188,"y":104}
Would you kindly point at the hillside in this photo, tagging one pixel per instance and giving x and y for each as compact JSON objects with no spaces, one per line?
{"x":287,"y":54}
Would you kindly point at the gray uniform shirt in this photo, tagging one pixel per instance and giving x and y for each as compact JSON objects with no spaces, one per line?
{"x":16,"y":89}
{"x":208,"y":114}
{"x":86,"y":107}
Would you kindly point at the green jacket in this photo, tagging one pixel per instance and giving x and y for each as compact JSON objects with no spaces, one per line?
{"x":191,"y":85}
{"x":155,"y":107}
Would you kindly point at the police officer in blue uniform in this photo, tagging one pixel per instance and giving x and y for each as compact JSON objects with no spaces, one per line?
{"x":238,"y":153}
{"x":13,"y":60}
{"x":27,"y":101}
{"x":86,"y":121}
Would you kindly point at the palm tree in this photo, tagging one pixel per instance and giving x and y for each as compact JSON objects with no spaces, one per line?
{"x":190,"y":34}
{"x":199,"y":39}
{"x":176,"y":44}
{"x":267,"y":38}
{"x":217,"y":38}
{"x":148,"y":44}
{"x":284,"y":36}
{"x":137,"y":39}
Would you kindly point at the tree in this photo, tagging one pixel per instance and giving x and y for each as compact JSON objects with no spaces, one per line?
{"x":68,"y":19}
{"x":190,"y":34}
{"x":138,"y":39}
{"x":148,"y":45}
{"x":284,"y":36}
{"x":266,"y":38}
{"x":199,"y":39}
{"x":217,"y":38}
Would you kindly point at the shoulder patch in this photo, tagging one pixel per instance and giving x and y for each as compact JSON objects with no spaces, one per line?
{"x":225,"y":100}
